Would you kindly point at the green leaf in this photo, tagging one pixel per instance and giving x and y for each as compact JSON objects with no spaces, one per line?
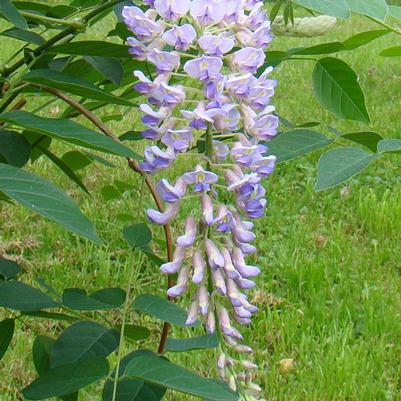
{"x":50,"y":315}
{"x":389,"y":145}
{"x":94,"y":48}
{"x":8,"y":268}
{"x":22,"y":297}
{"x":66,"y":379}
{"x":194,"y":343}
{"x":363,"y":38}
{"x":112,"y":117}
{"x":130,"y":389}
{"x":336,"y":8}
{"x":68,"y":131}
{"x":83,"y":340}
{"x":394,"y":12}
{"x":340,"y":164}
{"x":322,"y":48}
{"x":125,"y":217}
{"x":371,"y":8}
{"x":161,"y":309}
{"x":110,"y":68}
{"x":7,"y":328}
{"x":61,"y":11}
{"x":135,"y":333}
{"x":159,"y":371}
{"x":76,"y":160}
{"x":123,"y":186}
{"x":336,"y":86}
{"x":71,"y":84}
{"x":110,"y":192}
{"x":105,"y":299}
{"x":296,"y":143}
{"x":131,"y":136}
{"x":41,"y":351}
{"x":138,"y":235}
{"x":14,"y":148}
{"x":309,"y":124}
{"x":391,"y":52}
{"x":10,"y":13}
{"x":366,"y":138}
{"x":120,"y":30}
{"x":351,"y":43}
{"x":118,"y":8}
{"x":46,"y":199}
{"x":25,"y":36}
{"x":64,"y":168}
{"x":100,"y":160}
{"x":39,"y":8}
{"x":36,"y":139}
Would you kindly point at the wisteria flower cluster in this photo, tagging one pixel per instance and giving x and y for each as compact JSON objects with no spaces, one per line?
{"x":209,"y":102}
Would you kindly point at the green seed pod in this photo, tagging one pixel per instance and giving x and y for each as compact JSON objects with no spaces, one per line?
{"x":305,"y":27}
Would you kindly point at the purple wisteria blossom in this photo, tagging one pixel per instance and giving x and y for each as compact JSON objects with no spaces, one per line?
{"x":181,"y":37}
{"x":208,"y":12}
{"x":172,"y":10}
{"x":208,"y":107}
{"x":204,"y":68}
{"x":200,"y":178}
{"x":179,"y":140}
{"x":216,"y":45}
{"x":170,"y":193}
{"x":248,"y":59}
{"x":164,"y":61}
{"x":143,"y":25}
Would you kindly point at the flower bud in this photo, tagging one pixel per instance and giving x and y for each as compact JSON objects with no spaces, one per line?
{"x":224,"y":320}
{"x":233,"y":293}
{"x":207,"y":209}
{"x":190,"y":233}
{"x":175,"y":265}
{"x":248,"y":364}
{"x":215,"y":258}
{"x":182,"y":284}
{"x":203,"y":300}
{"x":232,"y":384}
{"x":192,"y":314}
{"x":221,"y":362}
{"x":210,"y":321}
{"x":242,"y":348}
{"x":199,"y":267}
{"x":165,"y":217}
{"x":229,"y":268}
{"x":218,"y":281}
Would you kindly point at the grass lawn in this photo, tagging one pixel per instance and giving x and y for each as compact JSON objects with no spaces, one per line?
{"x":330,"y":289}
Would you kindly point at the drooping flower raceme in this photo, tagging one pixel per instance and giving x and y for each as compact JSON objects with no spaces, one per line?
{"x":208,"y":101}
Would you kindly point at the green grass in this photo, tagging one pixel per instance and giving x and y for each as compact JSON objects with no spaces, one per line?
{"x":330,"y":290}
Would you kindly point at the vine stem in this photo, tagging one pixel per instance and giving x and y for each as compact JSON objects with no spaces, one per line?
{"x":133,"y":164}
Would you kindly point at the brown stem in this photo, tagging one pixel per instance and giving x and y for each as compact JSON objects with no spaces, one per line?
{"x":19,"y":105}
{"x":133,"y":164}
